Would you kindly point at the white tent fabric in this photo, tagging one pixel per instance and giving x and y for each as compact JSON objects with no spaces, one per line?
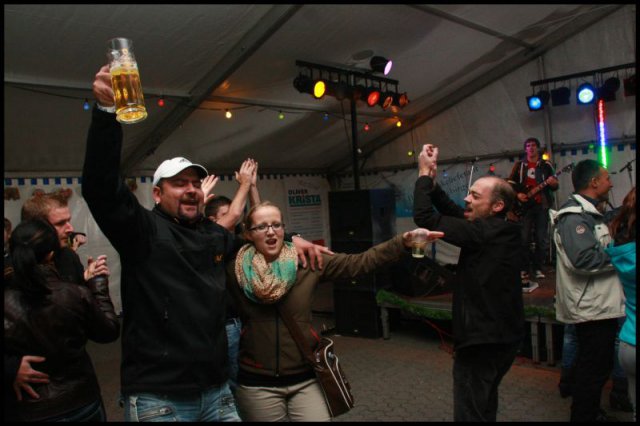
{"x":466,"y":67}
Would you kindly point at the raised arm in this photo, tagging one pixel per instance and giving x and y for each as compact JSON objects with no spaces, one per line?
{"x":254,"y":195}
{"x":243,"y":176}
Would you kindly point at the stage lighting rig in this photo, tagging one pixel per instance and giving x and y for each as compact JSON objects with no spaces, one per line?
{"x":350,"y":83}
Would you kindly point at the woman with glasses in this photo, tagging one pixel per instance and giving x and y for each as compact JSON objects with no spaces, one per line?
{"x":275,"y":382}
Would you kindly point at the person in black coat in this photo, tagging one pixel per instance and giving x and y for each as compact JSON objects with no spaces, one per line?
{"x":488,"y":311}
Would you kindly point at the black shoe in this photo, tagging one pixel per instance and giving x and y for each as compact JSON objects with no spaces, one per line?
{"x":620,"y":401}
{"x":604,"y":417}
{"x":565,"y":390}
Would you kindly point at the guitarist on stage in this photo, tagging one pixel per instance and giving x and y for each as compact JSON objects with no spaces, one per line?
{"x":526,"y":175}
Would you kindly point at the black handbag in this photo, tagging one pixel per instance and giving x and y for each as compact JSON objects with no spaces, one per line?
{"x":326,"y":365}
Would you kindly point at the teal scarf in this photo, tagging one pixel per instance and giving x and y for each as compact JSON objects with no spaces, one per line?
{"x":264,"y":282}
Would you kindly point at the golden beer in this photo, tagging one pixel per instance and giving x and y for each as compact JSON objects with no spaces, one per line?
{"x":125,"y":80}
{"x":418,"y":249}
{"x":128,"y":95}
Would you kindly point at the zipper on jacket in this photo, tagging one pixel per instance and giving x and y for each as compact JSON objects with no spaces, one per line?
{"x":277,"y":343}
{"x":165,"y":318}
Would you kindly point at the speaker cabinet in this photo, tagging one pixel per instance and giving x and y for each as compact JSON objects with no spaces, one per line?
{"x":420,"y":277}
{"x":356,"y":312}
{"x":360,"y":219}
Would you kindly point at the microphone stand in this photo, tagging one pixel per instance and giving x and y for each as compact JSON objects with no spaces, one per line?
{"x":471,"y":174}
{"x":629,"y":169}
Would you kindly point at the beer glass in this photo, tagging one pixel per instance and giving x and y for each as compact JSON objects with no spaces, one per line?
{"x":125,"y":79}
{"x":418,"y":243}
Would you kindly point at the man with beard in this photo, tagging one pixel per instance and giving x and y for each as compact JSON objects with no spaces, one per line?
{"x":588,"y":291}
{"x":174,"y":346}
{"x":488,"y":312}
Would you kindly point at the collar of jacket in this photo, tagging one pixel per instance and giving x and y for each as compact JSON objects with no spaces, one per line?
{"x":165,"y":215}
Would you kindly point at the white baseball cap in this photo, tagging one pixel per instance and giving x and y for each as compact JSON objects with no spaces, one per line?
{"x":170,"y":168}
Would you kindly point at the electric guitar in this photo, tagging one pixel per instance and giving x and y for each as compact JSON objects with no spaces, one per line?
{"x":519,"y":208}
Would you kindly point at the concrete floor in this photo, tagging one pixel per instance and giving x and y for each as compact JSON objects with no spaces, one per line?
{"x":405,"y":378}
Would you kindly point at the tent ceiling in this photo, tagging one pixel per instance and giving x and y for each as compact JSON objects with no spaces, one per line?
{"x":207,"y":58}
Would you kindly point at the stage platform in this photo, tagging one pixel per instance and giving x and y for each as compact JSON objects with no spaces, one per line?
{"x":538,"y":307}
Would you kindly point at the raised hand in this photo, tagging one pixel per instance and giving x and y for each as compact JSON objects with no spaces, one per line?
{"x":207,"y":186}
{"x":102,"y":89}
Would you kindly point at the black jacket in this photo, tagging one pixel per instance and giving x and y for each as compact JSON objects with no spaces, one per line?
{"x":59,"y":332}
{"x":173,"y":278}
{"x":487,"y":294}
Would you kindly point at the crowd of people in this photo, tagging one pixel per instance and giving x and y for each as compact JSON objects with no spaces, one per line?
{"x":203,"y":285}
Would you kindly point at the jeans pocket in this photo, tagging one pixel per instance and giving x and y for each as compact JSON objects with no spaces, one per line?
{"x":146,"y":408}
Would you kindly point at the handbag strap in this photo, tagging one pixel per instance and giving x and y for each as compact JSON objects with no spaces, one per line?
{"x":296,"y":333}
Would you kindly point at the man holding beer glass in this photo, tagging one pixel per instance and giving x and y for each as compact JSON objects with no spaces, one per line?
{"x":488,"y":312}
{"x":174,"y":347}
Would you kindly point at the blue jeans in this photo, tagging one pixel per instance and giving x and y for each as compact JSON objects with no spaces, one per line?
{"x":570,"y":349}
{"x":233,"y":327}
{"x":215,"y":404}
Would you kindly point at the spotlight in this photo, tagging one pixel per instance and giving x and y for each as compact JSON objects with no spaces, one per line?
{"x":560,"y":96}
{"x":538,"y":101}
{"x":371,"y":96}
{"x":340,"y":90}
{"x":607,"y":92}
{"x":380,"y":64}
{"x":386,"y":99}
{"x":585,"y":94}
{"x":630,"y":86}
{"x":319,"y":89}
{"x":400,"y":100}
{"x":305,"y":84}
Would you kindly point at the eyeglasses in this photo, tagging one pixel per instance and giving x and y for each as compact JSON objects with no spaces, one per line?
{"x":263,"y":227}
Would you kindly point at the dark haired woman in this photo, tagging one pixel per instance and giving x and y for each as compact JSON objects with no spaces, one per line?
{"x":50,"y":321}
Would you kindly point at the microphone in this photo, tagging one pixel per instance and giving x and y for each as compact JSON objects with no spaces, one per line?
{"x":627,"y":166}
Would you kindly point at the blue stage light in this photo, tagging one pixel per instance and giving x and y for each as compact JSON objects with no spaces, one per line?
{"x":585,"y":94}
{"x":538,"y":101}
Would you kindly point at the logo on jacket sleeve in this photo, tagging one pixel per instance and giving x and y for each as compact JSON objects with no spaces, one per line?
{"x":580,"y":229}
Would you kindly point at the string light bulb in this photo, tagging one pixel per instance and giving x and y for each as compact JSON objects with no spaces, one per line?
{"x":161,"y":101}
{"x":228,"y":114}
{"x":85,"y":105}
{"x":492,"y":168}
{"x":281,"y":115}
{"x":545,"y":156}
{"x":399,"y":123}
{"x":366,"y":127}
{"x":325,"y":117}
{"x":410,"y":153}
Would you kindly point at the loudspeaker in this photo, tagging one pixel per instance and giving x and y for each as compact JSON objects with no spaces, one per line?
{"x":360,"y":219}
{"x":420,"y":277}
{"x":356,"y":311}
